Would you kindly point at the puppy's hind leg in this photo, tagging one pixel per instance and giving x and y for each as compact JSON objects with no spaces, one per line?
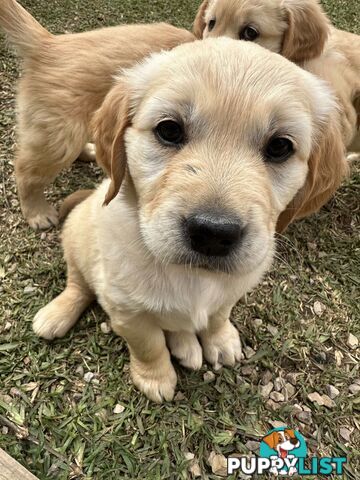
{"x":58,"y":316}
{"x":43,"y":152}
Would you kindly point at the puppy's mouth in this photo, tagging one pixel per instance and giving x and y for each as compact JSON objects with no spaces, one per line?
{"x":212,"y":264}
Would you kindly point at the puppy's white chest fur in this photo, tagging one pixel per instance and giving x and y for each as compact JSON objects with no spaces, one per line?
{"x":128,"y":279}
{"x":180,"y":299}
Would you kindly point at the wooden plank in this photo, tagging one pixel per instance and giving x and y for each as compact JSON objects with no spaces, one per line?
{"x":10,"y":469}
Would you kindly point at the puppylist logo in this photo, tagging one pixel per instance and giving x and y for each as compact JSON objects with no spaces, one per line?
{"x":283,"y":451}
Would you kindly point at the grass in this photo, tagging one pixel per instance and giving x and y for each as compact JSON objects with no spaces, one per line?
{"x":66,"y":427}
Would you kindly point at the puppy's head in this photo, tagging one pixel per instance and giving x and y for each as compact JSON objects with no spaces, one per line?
{"x":297,"y":29}
{"x":216,"y":137}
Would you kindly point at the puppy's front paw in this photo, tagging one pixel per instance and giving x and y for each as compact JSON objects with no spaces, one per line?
{"x":157,"y":380}
{"x":222,"y":347}
{"x":52,"y":322}
{"x":45,"y":217}
{"x":186,"y":348}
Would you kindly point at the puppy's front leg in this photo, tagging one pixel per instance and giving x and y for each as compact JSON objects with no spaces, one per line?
{"x":186,"y":348}
{"x":221,"y":341}
{"x":150,"y":366}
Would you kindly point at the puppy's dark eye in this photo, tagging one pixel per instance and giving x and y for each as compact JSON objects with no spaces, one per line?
{"x":211,"y":24}
{"x":249,"y":34}
{"x":170,"y":132}
{"x":279,"y":149}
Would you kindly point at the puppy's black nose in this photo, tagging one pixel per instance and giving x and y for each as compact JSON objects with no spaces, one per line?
{"x":213,"y":234}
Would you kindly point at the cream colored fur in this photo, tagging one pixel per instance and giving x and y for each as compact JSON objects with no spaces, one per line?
{"x":65,"y":79}
{"x":300,"y":31}
{"x":133,"y":254}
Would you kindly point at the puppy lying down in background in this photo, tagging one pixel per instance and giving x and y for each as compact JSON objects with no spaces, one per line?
{"x":209,"y":143}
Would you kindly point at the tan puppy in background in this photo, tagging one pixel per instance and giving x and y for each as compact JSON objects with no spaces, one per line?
{"x":209,"y":143}
{"x":65,"y":79}
{"x":300,"y":31}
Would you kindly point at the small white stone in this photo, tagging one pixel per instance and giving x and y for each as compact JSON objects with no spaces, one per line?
{"x":354,"y":388}
{"x":252,"y":445}
{"x":218,"y":464}
{"x":353,"y":341}
{"x":257,"y":322}
{"x":209,"y":376}
{"x":292,"y":378}
{"x":105,"y":328}
{"x":195,"y":469}
{"x":273,"y":330}
{"x":88,"y":377}
{"x":319,"y":308}
{"x":189,"y":456}
{"x":277,"y":424}
{"x":290,"y":390}
{"x":29,"y":289}
{"x":270,"y":404}
{"x":297,"y":408}
{"x":247,"y":370}
{"x":265,"y":390}
{"x":338,"y":357}
{"x":332,"y":391}
{"x":315,"y":398}
{"x":345,"y":434}
{"x":278,"y":384}
{"x":266,"y":377}
{"x":248,"y":352}
{"x":8,"y":325}
{"x":80,"y":370}
{"x":328,"y":402}
{"x":304,"y":417}
{"x":277,"y":397}
{"x":118,"y":409}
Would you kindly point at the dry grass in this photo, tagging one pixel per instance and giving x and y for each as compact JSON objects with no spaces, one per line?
{"x":70,"y":429}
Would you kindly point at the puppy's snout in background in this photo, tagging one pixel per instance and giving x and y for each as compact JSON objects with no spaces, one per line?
{"x":213,"y":234}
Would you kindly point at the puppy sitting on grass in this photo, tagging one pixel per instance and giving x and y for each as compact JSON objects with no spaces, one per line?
{"x":209,"y":143}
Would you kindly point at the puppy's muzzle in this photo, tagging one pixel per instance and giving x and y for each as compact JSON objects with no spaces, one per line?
{"x":213,"y":235}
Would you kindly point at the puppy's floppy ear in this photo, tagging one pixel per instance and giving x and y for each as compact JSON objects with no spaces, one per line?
{"x":109,"y":125}
{"x":327,"y":168}
{"x":272,"y":440}
{"x":199,"y":22}
{"x":308,"y":30}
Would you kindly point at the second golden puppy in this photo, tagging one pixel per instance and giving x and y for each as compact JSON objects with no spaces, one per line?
{"x":205,"y":147}
{"x":300,"y":31}
{"x":65,"y":79}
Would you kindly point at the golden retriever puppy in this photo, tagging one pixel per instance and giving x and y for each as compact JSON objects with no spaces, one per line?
{"x":65,"y":79}
{"x":209,"y":143}
{"x":300,"y":31}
